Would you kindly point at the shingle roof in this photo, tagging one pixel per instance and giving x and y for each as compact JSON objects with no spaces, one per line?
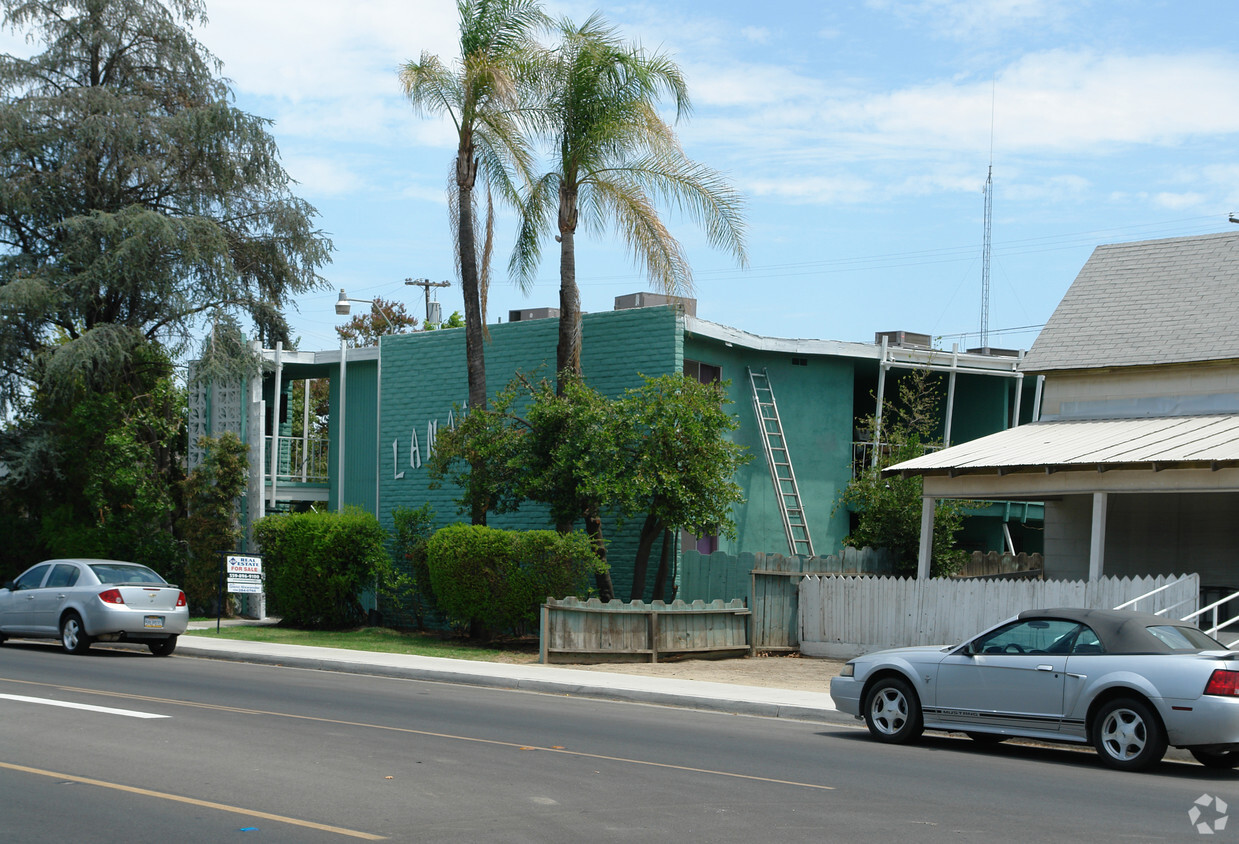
{"x":1143,"y":303}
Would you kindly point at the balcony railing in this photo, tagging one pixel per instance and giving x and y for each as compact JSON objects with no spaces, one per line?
{"x":863,"y":453}
{"x":300,"y":460}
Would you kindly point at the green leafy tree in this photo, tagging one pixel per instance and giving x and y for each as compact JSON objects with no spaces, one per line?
{"x":136,"y":205}
{"x":481,"y":94}
{"x":681,"y":463}
{"x":211,"y":525}
{"x":365,"y":329}
{"x":134,"y":197}
{"x":98,"y":476}
{"x":658,"y":451}
{"x":888,"y":509}
{"x":615,"y":159}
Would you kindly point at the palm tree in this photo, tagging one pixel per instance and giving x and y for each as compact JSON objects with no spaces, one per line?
{"x":481,"y":94}
{"x":614,"y":158}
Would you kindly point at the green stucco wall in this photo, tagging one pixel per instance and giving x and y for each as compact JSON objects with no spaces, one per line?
{"x":423,"y":379}
{"x":815,"y":405}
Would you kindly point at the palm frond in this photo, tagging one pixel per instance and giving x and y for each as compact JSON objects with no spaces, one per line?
{"x":536,"y":211}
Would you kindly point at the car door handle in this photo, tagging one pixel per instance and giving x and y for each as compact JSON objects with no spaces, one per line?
{"x":1045,"y":667}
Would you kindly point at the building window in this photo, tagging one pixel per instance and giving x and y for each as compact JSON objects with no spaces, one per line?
{"x":800,"y":361}
{"x":703,"y":372}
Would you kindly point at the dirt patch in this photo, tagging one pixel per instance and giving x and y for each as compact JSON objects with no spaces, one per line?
{"x":775,"y":672}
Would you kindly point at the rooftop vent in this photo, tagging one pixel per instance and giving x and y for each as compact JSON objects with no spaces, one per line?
{"x":653,"y":300}
{"x":905,"y":339}
{"x":989,"y":350}
{"x":533,"y":313}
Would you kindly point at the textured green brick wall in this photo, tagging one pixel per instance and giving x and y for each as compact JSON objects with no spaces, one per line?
{"x":815,"y":405}
{"x":423,"y":377}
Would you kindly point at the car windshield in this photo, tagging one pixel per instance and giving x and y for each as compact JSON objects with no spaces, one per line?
{"x":124,"y":573}
{"x":1185,"y":638}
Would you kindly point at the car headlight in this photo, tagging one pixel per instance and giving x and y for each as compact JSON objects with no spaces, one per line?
{"x":848,"y":670}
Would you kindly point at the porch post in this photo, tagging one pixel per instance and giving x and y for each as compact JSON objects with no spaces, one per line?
{"x":1097,"y":542}
{"x":950,"y":396}
{"x":877,"y":416}
{"x":927,"y":537}
{"x":278,"y":388}
{"x":340,"y":431}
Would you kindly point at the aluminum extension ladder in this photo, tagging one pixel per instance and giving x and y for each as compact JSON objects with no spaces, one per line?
{"x":786,"y":491}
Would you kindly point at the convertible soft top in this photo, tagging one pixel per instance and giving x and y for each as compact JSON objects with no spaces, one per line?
{"x":1120,"y":631}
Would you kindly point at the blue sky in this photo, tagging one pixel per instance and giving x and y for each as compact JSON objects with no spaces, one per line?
{"x":859,"y":132}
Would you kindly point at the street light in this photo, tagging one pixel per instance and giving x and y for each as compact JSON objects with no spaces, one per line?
{"x":343,"y":308}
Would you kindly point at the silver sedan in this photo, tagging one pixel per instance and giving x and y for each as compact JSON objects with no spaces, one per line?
{"x":83,"y":601}
{"x":1128,"y":683}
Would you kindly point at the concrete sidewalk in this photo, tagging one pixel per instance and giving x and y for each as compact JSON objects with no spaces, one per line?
{"x":694,"y":694}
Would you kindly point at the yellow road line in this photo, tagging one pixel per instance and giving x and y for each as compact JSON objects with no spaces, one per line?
{"x":205,"y":804}
{"x":427,"y":733}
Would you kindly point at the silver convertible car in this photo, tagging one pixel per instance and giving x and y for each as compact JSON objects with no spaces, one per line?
{"x":1129,"y":683}
{"x":85,"y":601}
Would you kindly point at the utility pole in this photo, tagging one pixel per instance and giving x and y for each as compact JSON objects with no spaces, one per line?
{"x":425,"y":284}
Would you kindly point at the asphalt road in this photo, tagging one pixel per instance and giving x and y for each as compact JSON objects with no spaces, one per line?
{"x":259,"y":753}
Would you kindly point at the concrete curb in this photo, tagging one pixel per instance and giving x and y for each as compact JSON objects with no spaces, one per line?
{"x":660,"y":691}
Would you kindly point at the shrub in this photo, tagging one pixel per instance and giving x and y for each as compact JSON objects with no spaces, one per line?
{"x":211,"y":526}
{"x":496,"y":579}
{"x":318,"y":564}
{"x":411,"y":594}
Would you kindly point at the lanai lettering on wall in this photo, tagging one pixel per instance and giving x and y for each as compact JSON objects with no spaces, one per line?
{"x":415,"y":450}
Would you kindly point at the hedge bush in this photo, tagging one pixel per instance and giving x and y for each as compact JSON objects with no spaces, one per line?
{"x":497,"y":579}
{"x":318,"y":564}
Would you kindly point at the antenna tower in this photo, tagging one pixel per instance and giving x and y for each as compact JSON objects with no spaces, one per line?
{"x":989,"y":221}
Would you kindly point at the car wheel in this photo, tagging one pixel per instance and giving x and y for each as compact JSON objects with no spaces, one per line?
{"x":987,"y":738}
{"x":1128,"y":735}
{"x":893,"y":712}
{"x":1219,"y":759}
{"x":162,"y":647}
{"x":73,"y":634}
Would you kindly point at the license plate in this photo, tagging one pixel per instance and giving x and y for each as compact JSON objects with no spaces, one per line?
{"x":153,"y":621}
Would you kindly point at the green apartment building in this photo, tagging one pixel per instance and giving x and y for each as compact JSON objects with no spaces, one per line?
{"x":387,"y":403}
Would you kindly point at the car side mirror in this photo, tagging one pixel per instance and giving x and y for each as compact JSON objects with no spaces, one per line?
{"x":9,"y":585}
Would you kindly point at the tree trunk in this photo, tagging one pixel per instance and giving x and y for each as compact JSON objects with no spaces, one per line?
{"x":475,"y":362}
{"x":664,"y":567}
{"x":593,"y":527}
{"x":649,"y":532}
{"x":568,"y":352}
{"x":466,"y":172}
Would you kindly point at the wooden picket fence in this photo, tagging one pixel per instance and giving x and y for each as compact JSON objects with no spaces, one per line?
{"x":768,"y":584}
{"x":999,"y":564}
{"x":591,"y":631}
{"x":847,"y":616}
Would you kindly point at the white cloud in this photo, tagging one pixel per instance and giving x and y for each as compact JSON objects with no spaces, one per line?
{"x":756,"y":34}
{"x":318,"y":176}
{"x":1179,"y":201}
{"x":973,"y":19}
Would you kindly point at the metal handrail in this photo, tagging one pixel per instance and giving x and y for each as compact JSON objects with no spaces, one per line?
{"x":1212,"y":631}
{"x":307,"y":461}
{"x":1150,"y":594}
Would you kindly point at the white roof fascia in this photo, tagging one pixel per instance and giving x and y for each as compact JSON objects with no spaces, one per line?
{"x":935,"y":359}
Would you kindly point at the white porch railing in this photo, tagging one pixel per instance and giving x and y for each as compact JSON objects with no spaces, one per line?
{"x":301,"y":460}
{"x":1212,"y":610}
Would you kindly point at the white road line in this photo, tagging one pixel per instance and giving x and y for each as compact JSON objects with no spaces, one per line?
{"x":107,"y":710}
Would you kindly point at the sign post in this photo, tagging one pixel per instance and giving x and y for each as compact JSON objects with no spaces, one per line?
{"x":245,"y":576}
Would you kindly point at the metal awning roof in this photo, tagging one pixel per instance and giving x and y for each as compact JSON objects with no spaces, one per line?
{"x":1156,"y":443}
